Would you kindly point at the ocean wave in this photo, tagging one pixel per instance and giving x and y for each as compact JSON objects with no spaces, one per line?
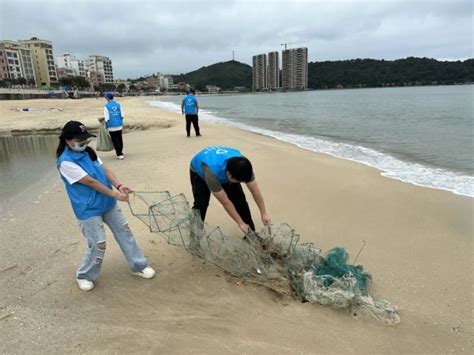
{"x":390,"y":166}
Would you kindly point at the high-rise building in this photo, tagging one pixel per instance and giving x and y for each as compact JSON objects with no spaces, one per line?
{"x":43,"y":61}
{"x":295,"y":69}
{"x":273,"y":71}
{"x":72,"y":64}
{"x":99,"y":70}
{"x":16,"y":61}
{"x":259,"y":72}
{"x":3,"y":66}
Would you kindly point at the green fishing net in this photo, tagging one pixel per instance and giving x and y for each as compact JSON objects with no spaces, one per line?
{"x":273,"y":257}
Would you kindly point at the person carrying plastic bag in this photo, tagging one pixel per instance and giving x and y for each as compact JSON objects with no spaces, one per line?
{"x":104,"y":142}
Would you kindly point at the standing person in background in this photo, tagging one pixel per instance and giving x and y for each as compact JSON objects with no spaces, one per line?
{"x":113,"y":116}
{"x":190,"y":108}
{"x":89,"y":185}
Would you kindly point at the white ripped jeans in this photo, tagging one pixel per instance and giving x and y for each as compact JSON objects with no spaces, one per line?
{"x":93,"y":230}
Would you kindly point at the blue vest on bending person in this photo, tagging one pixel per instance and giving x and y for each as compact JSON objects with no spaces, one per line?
{"x":190,"y":105}
{"x":115,"y":114}
{"x":86,"y":202}
{"x":216,"y":159}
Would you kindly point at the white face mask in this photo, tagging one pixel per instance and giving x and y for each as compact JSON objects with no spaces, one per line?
{"x":80,"y":146}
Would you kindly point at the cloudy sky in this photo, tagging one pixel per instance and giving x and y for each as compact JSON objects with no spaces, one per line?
{"x":143,"y":37}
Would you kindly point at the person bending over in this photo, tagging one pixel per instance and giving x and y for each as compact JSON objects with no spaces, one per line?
{"x":221,"y":170}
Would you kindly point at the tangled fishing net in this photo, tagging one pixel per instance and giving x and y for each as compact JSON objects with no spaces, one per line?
{"x":272,"y":257}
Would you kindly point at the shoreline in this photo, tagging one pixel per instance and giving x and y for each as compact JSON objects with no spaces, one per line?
{"x":172,"y":117}
{"x":369,"y":157}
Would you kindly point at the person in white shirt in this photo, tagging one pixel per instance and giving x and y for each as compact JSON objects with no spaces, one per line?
{"x":90,"y":188}
{"x":113,"y":116}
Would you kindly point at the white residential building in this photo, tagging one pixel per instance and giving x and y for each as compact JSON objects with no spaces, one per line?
{"x":75,"y":65}
{"x":99,"y":70}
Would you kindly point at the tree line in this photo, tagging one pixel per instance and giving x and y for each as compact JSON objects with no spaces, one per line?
{"x":379,"y":73}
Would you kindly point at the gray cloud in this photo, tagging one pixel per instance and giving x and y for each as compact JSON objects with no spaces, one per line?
{"x":142,"y":37}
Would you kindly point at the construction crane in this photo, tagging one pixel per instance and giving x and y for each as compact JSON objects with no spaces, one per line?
{"x":287,"y":44}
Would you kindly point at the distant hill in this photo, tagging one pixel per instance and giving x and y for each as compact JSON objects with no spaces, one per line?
{"x":400,"y":72}
{"x":226,"y":75}
{"x":343,"y":73}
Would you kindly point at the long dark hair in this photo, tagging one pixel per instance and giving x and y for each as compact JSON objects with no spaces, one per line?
{"x":62,"y":145}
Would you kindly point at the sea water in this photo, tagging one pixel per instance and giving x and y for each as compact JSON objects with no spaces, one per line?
{"x":420,"y":135}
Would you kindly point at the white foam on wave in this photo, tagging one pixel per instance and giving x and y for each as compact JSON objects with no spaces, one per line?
{"x":391,"y":167}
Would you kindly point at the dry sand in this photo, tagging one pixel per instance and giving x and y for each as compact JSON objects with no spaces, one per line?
{"x":419,"y":251}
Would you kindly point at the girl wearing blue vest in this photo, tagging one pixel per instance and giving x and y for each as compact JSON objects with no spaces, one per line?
{"x":89,"y":187}
{"x":220,"y":170}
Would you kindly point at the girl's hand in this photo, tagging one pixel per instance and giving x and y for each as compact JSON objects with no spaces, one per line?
{"x":122,"y":197}
{"x":124,"y":189}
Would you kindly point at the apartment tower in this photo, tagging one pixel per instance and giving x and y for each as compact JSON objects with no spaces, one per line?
{"x":99,"y":70}
{"x":43,"y":61}
{"x":259,"y":72}
{"x":16,"y":62}
{"x":72,"y":65}
{"x":273,"y":71}
{"x":295,"y":69}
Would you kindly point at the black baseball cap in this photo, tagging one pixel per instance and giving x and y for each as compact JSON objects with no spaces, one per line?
{"x":75,"y":129}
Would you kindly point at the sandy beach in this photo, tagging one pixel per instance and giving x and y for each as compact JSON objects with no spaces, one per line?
{"x":419,"y":250}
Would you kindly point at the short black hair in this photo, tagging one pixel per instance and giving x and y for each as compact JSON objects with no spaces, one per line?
{"x":240,"y":168}
{"x":192,"y":91}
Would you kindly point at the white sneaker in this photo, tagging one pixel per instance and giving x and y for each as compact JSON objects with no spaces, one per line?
{"x":85,"y":285}
{"x":120,"y":157}
{"x":146,"y":273}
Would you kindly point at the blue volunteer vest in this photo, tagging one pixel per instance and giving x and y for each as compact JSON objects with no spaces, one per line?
{"x":115,"y":114}
{"x":216,"y":159}
{"x":189,"y":105}
{"x":86,"y":202}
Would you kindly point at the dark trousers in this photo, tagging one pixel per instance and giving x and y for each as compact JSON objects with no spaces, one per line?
{"x":117,"y":141}
{"x":194,"y":119}
{"x":202,"y":194}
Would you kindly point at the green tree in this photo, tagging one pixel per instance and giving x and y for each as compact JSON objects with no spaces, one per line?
{"x":377,"y":73}
{"x":78,"y":82}
{"x":121,"y":87}
{"x":106,"y":87}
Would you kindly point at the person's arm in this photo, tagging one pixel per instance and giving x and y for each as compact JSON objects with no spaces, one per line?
{"x":258,"y":197}
{"x":106,"y":114}
{"x":182,"y":107}
{"x":215,"y":187}
{"x":222,"y":197}
{"x":99,"y":187}
{"x":115,"y":181}
{"x":197,"y":107}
